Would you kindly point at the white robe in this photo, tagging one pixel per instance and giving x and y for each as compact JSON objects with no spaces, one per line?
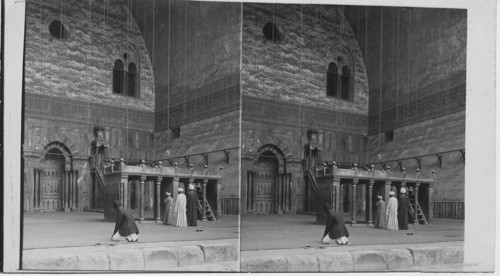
{"x":392,"y":212}
{"x":180,"y":210}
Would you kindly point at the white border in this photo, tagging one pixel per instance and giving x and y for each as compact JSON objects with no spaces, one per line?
{"x":481,"y":121}
{"x":13,"y":81}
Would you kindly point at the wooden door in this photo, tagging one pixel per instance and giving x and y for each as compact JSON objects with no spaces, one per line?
{"x":265,"y":179}
{"x":52,"y":187}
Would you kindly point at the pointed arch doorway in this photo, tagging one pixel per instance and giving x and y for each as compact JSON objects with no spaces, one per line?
{"x":269,"y":185}
{"x":55,"y":183}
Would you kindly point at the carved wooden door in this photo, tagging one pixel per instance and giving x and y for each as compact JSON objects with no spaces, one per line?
{"x":52,"y":179}
{"x":265,"y":179}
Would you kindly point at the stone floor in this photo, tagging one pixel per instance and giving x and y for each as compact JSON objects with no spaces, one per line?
{"x":266,"y":232}
{"x":59,"y":229}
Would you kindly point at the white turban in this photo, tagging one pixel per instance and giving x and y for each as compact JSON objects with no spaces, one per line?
{"x":379,"y":196}
{"x":392,"y":193}
{"x":403,"y":191}
{"x":180,"y":190}
{"x":167,"y":193}
{"x":191,"y":187}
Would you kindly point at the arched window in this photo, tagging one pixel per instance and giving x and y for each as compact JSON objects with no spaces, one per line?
{"x":131,"y":79}
{"x":346,"y":83}
{"x":331,"y":80}
{"x":118,"y":77}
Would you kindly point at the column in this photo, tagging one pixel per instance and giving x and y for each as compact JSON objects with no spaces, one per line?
{"x":175,"y":186}
{"x":431,"y":208}
{"x":353,"y":208}
{"x":158,"y":198}
{"x":370,"y":207}
{"x":417,"y":185}
{"x":70,"y":189}
{"x":35,"y":188}
{"x":387,"y":190}
{"x":124,"y":191}
{"x":141,"y":198}
{"x":336,"y":193}
{"x":204,"y":202}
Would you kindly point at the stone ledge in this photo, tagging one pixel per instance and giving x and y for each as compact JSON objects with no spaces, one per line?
{"x":166,"y":258}
{"x":389,"y":259}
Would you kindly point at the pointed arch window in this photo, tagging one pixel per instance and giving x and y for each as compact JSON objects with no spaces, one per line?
{"x":331,"y":76}
{"x":339,"y":85}
{"x":118,"y":77}
{"x":346,"y":83}
{"x":126,"y":80}
{"x":131,"y":79}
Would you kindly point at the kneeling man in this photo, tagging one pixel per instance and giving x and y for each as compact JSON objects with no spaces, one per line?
{"x":335,"y":230}
{"x":125,"y":227}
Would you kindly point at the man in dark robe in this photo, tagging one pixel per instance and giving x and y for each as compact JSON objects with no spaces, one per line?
{"x":404,"y":208}
{"x":191,"y":206}
{"x":335,"y":229}
{"x":125,"y":227}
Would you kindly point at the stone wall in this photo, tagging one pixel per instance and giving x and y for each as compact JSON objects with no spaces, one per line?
{"x":284,"y":89}
{"x":68,"y":86}
{"x":208,"y":136}
{"x":428,"y":138}
{"x":415,"y":60}
{"x":294,"y":69}
{"x":416,"y":64}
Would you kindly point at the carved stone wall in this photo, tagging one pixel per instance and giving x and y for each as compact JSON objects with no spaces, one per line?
{"x":68,"y":87}
{"x":294,"y":69}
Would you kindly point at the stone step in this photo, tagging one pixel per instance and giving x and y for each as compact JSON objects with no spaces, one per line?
{"x":346,"y":258}
{"x":131,"y":257}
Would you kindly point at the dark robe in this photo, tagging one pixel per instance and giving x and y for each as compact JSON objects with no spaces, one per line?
{"x":379,"y":219}
{"x":191,"y":208}
{"x":404,"y":208}
{"x":168,"y":214}
{"x":125,"y":223}
{"x":335,"y":226}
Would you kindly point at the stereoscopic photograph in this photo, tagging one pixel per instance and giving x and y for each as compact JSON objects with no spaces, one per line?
{"x":166,"y":136}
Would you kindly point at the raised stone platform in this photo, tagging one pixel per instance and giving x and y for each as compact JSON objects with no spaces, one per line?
{"x":122,"y":256}
{"x":333,"y":258}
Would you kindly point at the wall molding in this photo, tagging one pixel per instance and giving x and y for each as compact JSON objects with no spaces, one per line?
{"x":285,"y":113}
{"x":438,"y":104}
{"x":76,"y":111}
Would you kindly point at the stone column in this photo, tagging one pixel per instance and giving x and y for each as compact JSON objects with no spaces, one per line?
{"x":36,"y":179}
{"x":141,"y":198}
{"x":431,"y":208}
{"x":387,"y":189}
{"x":204,"y":202}
{"x":336,"y":194}
{"x":353,"y":211}
{"x":370,"y":207}
{"x":124,"y":197}
{"x":158,"y":198}
{"x":71,"y":190}
{"x":417,"y":185}
{"x":175,"y":186}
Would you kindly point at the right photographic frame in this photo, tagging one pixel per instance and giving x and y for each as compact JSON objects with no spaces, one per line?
{"x":353,"y":135}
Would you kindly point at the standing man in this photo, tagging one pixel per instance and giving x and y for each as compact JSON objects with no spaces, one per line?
{"x":125,"y":227}
{"x":168,"y":215}
{"x":392,"y":212}
{"x":192,"y":200}
{"x":180,"y":208}
{"x":404,"y":208}
{"x":379,"y":220}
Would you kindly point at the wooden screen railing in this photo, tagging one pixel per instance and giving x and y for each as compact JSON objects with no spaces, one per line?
{"x":449,"y":209}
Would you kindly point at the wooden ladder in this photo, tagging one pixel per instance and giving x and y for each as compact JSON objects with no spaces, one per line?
{"x":208,"y":211}
{"x":416,"y":207}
